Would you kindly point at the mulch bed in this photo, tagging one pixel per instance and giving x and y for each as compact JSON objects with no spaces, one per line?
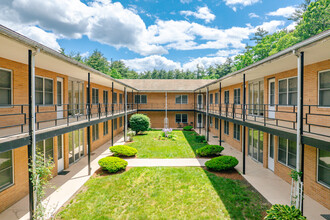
{"x":100,"y":172}
{"x":229,"y":174}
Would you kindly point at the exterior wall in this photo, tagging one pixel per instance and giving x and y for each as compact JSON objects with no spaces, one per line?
{"x":157,"y":118}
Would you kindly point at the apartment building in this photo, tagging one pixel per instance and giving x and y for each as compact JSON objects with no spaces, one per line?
{"x":256,"y":110}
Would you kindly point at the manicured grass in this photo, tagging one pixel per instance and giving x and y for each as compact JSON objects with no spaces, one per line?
{"x":164,"y":193}
{"x":149,"y":146}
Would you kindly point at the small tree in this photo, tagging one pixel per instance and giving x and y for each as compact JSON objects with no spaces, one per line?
{"x":139,"y":123}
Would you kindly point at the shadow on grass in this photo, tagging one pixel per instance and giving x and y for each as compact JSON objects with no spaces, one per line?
{"x":241,"y":200}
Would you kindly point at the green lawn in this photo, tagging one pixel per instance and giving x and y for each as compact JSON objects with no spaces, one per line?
{"x":164,"y":193}
{"x":149,"y":146}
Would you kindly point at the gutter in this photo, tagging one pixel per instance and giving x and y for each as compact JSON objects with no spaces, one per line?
{"x":31,"y":43}
{"x":289,"y":50}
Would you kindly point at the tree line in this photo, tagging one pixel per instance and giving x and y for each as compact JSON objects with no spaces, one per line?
{"x":312,"y":17}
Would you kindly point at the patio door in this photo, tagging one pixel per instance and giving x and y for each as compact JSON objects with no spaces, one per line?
{"x":60,"y":158}
{"x":199,"y":120}
{"x":256,"y":98}
{"x":59,"y":98}
{"x":76,"y":145}
{"x":255,"y":146}
{"x":76,"y":97}
{"x":200,"y":101}
{"x":271,"y":147}
{"x":271,"y":98}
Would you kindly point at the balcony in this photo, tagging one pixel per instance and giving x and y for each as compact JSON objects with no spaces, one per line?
{"x":162,"y":107}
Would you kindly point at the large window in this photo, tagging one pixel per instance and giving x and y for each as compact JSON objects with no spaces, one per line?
{"x":256,"y":144}
{"x":46,"y":148}
{"x":324,"y":88}
{"x":5,"y":87}
{"x":237,"y":132}
{"x":95,"y":96}
{"x":323,"y":167}
{"x":237,"y":96}
{"x":287,"y":91}
{"x":140,"y":99}
{"x":211,"y":99}
{"x":120,"y":122}
{"x":114,"y":98}
{"x":105,"y":128}
{"x":181,"y":99}
{"x":226,"y":127}
{"x":211,"y":121}
{"x":44,"y":91}
{"x":216,"y":123}
{"x":6,"y":169}
{"x":95,"y":132}
{"x":105,"y":97}
{"x":120,"y":98}
{"x":115,"y":124}
{"x":287,"y":150}
{"x":181,"y":118}
{"x":216,"y":98}
{"x":226,"y":97}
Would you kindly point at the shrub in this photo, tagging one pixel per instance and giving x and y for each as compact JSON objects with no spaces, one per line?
{"x":284,"y":212}
{"x":209,"y":150}
{"x":221,"y":163}
{"x":187,"y":128}
{"x":130,"y":134}
{"x":200,"y":138}
{"x":112,"y":164}
{"x":139,"y":122}
{"x":123,"y":150}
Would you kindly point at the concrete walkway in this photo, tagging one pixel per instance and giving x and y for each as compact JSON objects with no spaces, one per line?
{"x":272,"y":187}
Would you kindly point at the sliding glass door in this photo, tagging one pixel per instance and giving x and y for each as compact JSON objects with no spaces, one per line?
{"x":76,"y":145}
{"x":256,"y":144}
{"x":256,"y":98}
{"x":76,"y":97}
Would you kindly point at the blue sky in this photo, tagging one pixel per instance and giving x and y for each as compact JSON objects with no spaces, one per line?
{"x":148,"y":34}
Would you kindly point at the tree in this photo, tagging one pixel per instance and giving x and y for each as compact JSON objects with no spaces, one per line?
{"x":139,"y":123}
{"x":97,"y":61}
{"x":297,"y":15}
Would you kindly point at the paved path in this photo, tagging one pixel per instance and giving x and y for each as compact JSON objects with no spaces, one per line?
{"x":181,"y":162}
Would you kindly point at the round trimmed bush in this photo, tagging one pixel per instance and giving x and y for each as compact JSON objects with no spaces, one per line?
{"x":123,"y":150}
{"x":278,"y":211}
{"x":221,"y":163}
{"x":113,"y":164}
{"x":139,"y":123}
{"x":187,"y":128}
{"x":209,"y":150}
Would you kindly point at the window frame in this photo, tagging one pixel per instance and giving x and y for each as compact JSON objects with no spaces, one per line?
{"x":115,"y":124}
{"x":317,"y":170}
{"x":224,"y":97}
{"x":226,"y":127}
{"x":210,"y":121}
{"x":176,"y":96}
{"x":44,"y":148}
{"x":140,"y":99}
{"x":105,"y":128}
{"x":286,"y":153}
{"x":44,"y":91}
{"x":181,"y":118}
{"x":120,"y":98}
{"x":106,"y":93}
{"x":13,"y":173}
{"x":239,"y":96}
{"x":98,"y":96}
{"x":237,"y":129}
{"x":120,"y":122}
{"x":287,"y":90}
{"x":216,"y":98}
{"x":211,"y":98}
{"x":95,"y":138}
{"x":216,"y":123}
{"x":11,"y":89}
{"x":318,"y":88}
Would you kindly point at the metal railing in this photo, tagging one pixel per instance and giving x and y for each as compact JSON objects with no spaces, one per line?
{"x":162,"y":106}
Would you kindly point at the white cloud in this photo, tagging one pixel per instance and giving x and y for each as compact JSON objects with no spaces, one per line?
{"x":152,"y":62}
{"x":204,"y":62}
{"x":271,"y":26}
{"x":291,"y":26}
{"x":202,"y":13}
{"x":241,"y":2}
{"x":253,"y":15}
{"x":86,"y":54}
{"x":225,"y":53}
{"x":284,"y":12}
{"x":185,"y":1}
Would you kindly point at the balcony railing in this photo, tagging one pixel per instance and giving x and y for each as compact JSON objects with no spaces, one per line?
{"x":14,"y":119}
{"x":162,"y":106}
{"x":316,"y":119}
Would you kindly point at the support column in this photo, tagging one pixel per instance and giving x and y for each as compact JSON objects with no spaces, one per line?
{"x":200,"y":126}
{"x":194,"y":110}
{"x":300,"y":105}
{"x":112,"y":110}
{"x":166,"y":119}
{"x":220,"y":121}
{"x":125,"y":110}
{"x":244,"y":128}
{"x":32,"y":145}
{"x":132,"y":102}
{"x":207,"y":113}
{"x":89,"y":142}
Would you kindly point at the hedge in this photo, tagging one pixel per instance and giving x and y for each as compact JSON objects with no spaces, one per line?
{"x":209,"y":150}
{"x":222,"y":163}
{"x":139,"y":122}
{"x":200,"y":138}
{"x":123,"y":150}
{"x":112,"y":164}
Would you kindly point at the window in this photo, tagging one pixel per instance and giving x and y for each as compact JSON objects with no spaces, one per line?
{"x":120,"y":98}
{"x":181,"y":118}
{"x":5,"y":88}
{"x":216,"y":123}
{"x":105,"y":128}
{"x":140,"y":99}
{"x":226,"y":97}
{"x":105,"y":97}
{"x":211,"y":121}
{"x":216,"y":98}
{"x":237,"y":132}
{"x":256,"y":144}
{"x":181,"y":99}
{"x":95,"y":133}
{"x":43,"y":91}
{"x":115,"y":124}
{"x":323,"y":167}
{"x":237,"y":96}
{"x":46,"y":148}
{"x":324,"y":88}
{"x":226,"y":127}
{"x":287,"y":152}
{"x":120,"y":122}
{"x":95,"y":96}
{"x":287,"y":91}
{"x":211,"y":99}
{"x":6,"y":169}
{"x":114,"y":98}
